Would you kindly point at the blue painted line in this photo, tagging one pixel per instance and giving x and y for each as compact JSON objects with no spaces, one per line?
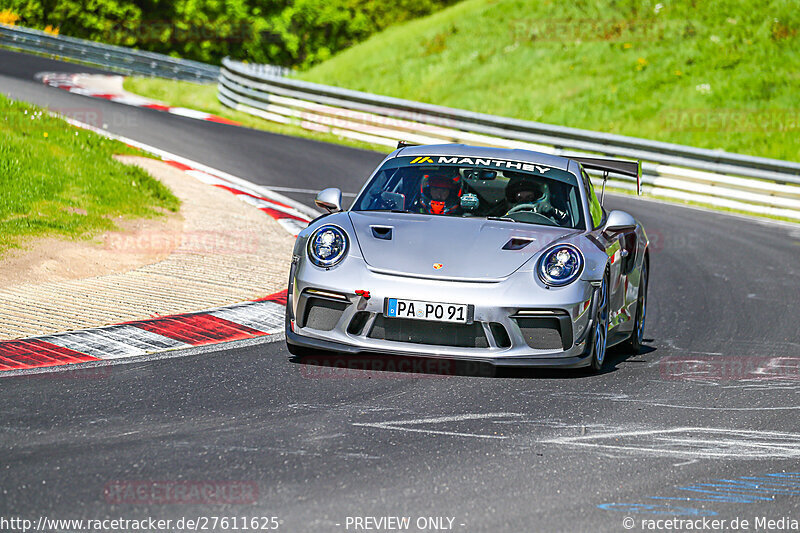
{"x":745,"y":489}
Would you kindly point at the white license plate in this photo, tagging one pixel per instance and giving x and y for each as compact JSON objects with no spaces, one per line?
{"x":419,"y":310}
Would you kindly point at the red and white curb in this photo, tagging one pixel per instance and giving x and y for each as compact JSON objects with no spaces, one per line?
{"x":109,"y":88}
{"x":246,"y":320}
{"x":293,"y":216}
{"x":290,"y":218}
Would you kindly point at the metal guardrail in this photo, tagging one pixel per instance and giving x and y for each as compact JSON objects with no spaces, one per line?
{"x":722,"y":179}
{"x":116,"y":58}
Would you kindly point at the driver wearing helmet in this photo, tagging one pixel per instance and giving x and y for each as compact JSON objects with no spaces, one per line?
{"x":440,"y":194}
{"x":526,"y":193}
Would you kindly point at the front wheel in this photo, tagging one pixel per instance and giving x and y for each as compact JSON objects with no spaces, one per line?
{"x":600,"y":336}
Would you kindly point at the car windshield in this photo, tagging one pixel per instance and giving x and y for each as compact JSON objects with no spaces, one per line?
{"x":475,"y":187}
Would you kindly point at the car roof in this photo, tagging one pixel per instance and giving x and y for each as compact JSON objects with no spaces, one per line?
{"x":464,"y":150}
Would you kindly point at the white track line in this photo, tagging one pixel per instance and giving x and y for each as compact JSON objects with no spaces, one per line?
{"x":401,"y":425}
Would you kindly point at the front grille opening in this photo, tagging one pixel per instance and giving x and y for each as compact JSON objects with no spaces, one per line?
{"x":541,"y":333}
{"x":500,"y":335}
{"x":425,"y":332}
{"x":356,"y":325}
{"x":322,"y":314}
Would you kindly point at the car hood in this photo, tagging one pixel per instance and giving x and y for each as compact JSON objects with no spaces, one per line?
{"x":466,"y":248}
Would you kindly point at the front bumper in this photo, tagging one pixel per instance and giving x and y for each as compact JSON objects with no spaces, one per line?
{"x":506,"y":303}
{"x":311,"y":343}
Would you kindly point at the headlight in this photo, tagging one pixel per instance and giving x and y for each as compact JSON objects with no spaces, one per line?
{"x":561,"y":265}
{"x":327,"y":246}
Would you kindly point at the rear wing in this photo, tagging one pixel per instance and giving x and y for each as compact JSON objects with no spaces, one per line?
{"x":404,"y":144}
{"x":614,"y":166}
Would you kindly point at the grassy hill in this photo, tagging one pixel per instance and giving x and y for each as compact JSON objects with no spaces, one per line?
{"x":56,"y":180}
{"x":722,"y":74}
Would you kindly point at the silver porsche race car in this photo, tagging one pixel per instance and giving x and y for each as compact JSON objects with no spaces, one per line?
{"x":474,"y":253}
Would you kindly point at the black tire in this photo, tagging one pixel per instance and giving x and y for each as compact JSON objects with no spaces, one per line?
{"x":634,"y":343}
{"x":600,"y":334}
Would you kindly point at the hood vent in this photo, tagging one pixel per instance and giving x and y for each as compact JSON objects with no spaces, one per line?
{"x":517,"y":243}
{"x":382,"y":232}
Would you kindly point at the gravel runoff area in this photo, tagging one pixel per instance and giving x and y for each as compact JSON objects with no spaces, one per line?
{"x":219,"y":251}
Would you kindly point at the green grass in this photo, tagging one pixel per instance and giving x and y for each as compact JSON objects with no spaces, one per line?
{"x":203,"y":97}
{"x":616,"y":66}
{"x":57,"y":180}
{"x":720,"y":75}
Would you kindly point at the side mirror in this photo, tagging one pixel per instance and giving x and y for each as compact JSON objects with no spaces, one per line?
{"x":330,"y":199}
{"x":619,"y":221}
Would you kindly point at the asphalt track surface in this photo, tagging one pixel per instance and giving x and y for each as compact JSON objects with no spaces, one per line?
{"x":496,"y":451}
